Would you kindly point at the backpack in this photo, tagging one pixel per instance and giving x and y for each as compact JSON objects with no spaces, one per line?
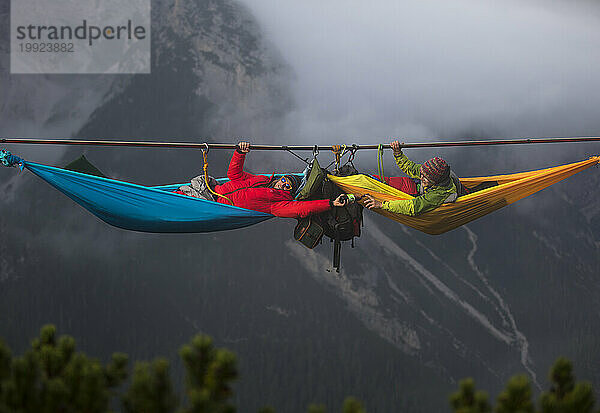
{"x":339,"y":223}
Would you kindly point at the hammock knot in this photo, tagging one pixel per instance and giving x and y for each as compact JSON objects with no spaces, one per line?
{"x":10,"y":160}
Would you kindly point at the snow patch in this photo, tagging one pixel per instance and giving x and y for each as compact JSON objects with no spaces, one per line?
{"x":389,"y":245}
{"x":462,"y":279}
{"x":520,"y":338}
{"x":405,"y":295}
{"x":546,"y":242}
{"x":280,"y":311}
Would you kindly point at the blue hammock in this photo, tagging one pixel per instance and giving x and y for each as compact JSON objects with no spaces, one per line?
{"x":141,"y":208}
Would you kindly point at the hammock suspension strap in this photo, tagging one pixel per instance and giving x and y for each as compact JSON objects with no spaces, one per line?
{"x":338,"y":151}
{"x":352,"y":151}
{"x":305,"y":160}
{"x":380,"y":162}
{"x":205,"y":156}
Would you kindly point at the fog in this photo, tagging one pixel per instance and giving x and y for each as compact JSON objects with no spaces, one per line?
{"x":436,"y":69}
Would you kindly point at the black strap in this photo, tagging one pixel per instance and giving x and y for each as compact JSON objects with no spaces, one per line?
{"x":305,"y":160}
{"x":337,"y":248}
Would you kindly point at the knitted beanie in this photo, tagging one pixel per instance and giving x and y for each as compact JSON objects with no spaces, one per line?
{"x":436,"y":170}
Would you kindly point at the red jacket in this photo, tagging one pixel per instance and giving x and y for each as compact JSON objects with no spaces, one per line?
{"x":252,"y":192}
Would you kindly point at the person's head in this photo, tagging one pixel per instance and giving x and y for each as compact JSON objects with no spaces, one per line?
{"x":287,"y":183}
{"x":435,"y":172}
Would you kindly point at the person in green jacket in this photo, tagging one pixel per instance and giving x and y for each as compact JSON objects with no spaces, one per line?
{"x":438,"y":186}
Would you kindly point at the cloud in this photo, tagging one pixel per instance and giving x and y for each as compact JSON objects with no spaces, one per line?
{"x":367,"y":71}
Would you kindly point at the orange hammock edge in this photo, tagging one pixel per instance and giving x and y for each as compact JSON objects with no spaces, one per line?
{"x":465,"y":209}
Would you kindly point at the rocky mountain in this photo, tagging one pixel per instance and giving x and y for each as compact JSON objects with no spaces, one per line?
{"x":408,"y":315}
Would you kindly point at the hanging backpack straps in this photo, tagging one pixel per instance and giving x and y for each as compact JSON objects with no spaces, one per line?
{"x":337,"y":250}
{"x":205,"y":156}
{"x":380,"y":162}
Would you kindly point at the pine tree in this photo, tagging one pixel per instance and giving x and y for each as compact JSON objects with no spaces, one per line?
{"x":316,"y":408}
{"x":209,"y":374}
{"x":52,"y":377}
{"x":517,"y":397}
{"x":565,"y":395}
{"x":352,"y":405}
{"x":151,"y":390}
{"x":467,"y":400}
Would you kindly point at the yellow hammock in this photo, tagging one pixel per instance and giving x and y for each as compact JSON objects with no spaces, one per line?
{"x":510,"y":188}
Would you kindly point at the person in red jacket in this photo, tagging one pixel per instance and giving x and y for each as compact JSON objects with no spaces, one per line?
{"x":266,"y":194}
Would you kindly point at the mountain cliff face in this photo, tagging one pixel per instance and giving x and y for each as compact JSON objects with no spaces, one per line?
{"x":491,"y":294}
{"x":408,"y":315}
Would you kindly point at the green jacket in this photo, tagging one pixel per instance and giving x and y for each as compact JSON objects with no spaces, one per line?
{"x":431,"y":198}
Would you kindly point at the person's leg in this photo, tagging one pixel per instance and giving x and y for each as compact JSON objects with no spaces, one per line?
{"x":404,"y":184}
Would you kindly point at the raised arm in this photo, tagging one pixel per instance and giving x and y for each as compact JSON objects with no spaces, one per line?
{"x":236,"y":165}
{"x":409,"y":167}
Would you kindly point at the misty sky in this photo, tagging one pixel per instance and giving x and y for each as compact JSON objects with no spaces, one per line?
{"x":437,"y":68}
{"x":417,"y":69}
